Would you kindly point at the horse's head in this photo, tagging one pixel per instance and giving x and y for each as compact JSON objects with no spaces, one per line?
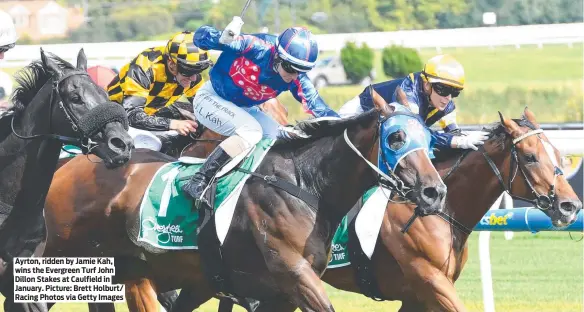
{"x":405,"y":151}
{"x":535,"y":173}
{"x":87,"y":112}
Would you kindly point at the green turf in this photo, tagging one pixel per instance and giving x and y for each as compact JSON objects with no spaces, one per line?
{"x":531,"y":273}
{"x":528,"y":66}
{"x":548,"y":80}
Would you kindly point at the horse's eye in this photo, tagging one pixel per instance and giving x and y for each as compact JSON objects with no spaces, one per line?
{"x":396,"y":140}
{"x":530,"y":158}
{"x":76,"y":98}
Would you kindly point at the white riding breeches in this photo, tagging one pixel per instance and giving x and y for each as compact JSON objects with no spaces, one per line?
{"x":144,"y":139}
{"x":226,"y":118}
{"x":351,"y":108}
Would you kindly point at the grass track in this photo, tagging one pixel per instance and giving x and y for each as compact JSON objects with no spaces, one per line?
{"x":531,"y":273}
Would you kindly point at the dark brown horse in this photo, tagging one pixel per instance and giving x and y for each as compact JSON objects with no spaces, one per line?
{"x":282,"y":257}
{"x":420,"y":267}
{"x":55,"y":103}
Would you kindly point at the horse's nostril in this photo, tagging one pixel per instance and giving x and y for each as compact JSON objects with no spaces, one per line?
{"x":117,"y":143}
{"x":570,"y":205}
{"x":430,"y":192}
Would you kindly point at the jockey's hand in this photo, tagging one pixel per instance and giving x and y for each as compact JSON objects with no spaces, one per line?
{"x":470,"y":140}
{"x":231,"y":31}
{"x":183,"y":127}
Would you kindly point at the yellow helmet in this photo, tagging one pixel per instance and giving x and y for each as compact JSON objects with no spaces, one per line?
{"x":189,"y":58}
{"x":444,"y":69}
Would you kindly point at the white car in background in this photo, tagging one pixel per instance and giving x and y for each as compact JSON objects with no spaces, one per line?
{"x":330,"y":71}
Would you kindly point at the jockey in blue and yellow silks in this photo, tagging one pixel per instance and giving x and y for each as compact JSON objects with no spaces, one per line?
{"x":428,"y":93}
{"x":250,"y":70}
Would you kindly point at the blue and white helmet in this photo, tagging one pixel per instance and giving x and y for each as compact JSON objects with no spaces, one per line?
{"x":297,"y":46}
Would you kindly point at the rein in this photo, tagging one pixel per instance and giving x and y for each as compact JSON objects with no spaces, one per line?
{"x":541,"y":201}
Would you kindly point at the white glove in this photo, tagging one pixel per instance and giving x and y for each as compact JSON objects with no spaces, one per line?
{"x":470,"y":140}
{"x":231,"y":31}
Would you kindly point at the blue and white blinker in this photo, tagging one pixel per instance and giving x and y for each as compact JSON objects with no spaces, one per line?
{"x":417,"y":136}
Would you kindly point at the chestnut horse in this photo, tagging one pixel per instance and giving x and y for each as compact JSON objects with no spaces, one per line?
{"x":87,"y":210}
{"x":420,"y":267}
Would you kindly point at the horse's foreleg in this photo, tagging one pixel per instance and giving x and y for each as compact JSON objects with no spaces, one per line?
{"x":167,"y":299}
{"x":304,"y":287}
{"x":433,"y":288}
{"x":141,"y":296}
{"x":275,"y":305}
{"x":412,"y":306}
{"x":190,"y":299}
{"x":101,"y":307}
{"x":443,"y":296}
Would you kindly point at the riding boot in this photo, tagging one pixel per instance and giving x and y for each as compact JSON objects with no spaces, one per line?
{"x":199,"y":181}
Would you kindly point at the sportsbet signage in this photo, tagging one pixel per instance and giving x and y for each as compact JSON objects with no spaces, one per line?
{"x":493,"y":219}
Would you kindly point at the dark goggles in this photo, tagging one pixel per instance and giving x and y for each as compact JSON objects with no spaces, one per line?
{"x":287,"y":67}
{"x":6,"y":48}
{"x":445,"y":90}
{"x":189,"y":70}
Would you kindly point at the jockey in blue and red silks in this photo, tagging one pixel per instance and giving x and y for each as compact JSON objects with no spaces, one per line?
{"x":250,"y":70}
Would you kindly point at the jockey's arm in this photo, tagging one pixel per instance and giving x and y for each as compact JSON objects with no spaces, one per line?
{"x":207,"y":38}
{"x":450,"y":128}
{"x":304,"y":92}
{"x":137,"y":117}
{"x":135,"y":86}
{"x":448,"y":123}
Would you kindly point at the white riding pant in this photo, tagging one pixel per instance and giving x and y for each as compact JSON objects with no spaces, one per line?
{"x":351,"y":108}
{"x":228,"y":119}
{"x":144,"y":139}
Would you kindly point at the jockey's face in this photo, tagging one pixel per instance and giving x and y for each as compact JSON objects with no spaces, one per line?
{"x":436,"y":99}
{"x":184,"y":81}
{"x":287,"y":73}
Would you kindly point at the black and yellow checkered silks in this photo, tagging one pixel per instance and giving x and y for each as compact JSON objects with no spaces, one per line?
{"x":147,"y":76}
{"x":181,"y":48}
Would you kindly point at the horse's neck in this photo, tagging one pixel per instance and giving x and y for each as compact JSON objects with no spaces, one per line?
{"x":473,"y":187}
{"x":24,"y":164}
{"x":337,"y":175}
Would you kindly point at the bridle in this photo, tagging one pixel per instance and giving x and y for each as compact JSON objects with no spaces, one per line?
{"x":541,"y":201}
{"x":390,"y":180}
{"x":84,"y":140}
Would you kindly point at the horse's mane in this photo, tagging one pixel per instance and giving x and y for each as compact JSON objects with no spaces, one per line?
{"x":31,"y":79}
{"x":496,"y":132}
{"x":319,"y":128}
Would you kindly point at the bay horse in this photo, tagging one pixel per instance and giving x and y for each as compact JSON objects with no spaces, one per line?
{"x":277,"y":245}
{"x":200,"y":144}
{"x":55,"y":103}
{"x":420,"y":267}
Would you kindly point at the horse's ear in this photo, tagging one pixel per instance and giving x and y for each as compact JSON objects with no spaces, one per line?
{"x":50,"y":65}
{"x":510,"y":125}
{"x":530,"y":116}
{"x":81,"y":60}
{"x":379,"y":103}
